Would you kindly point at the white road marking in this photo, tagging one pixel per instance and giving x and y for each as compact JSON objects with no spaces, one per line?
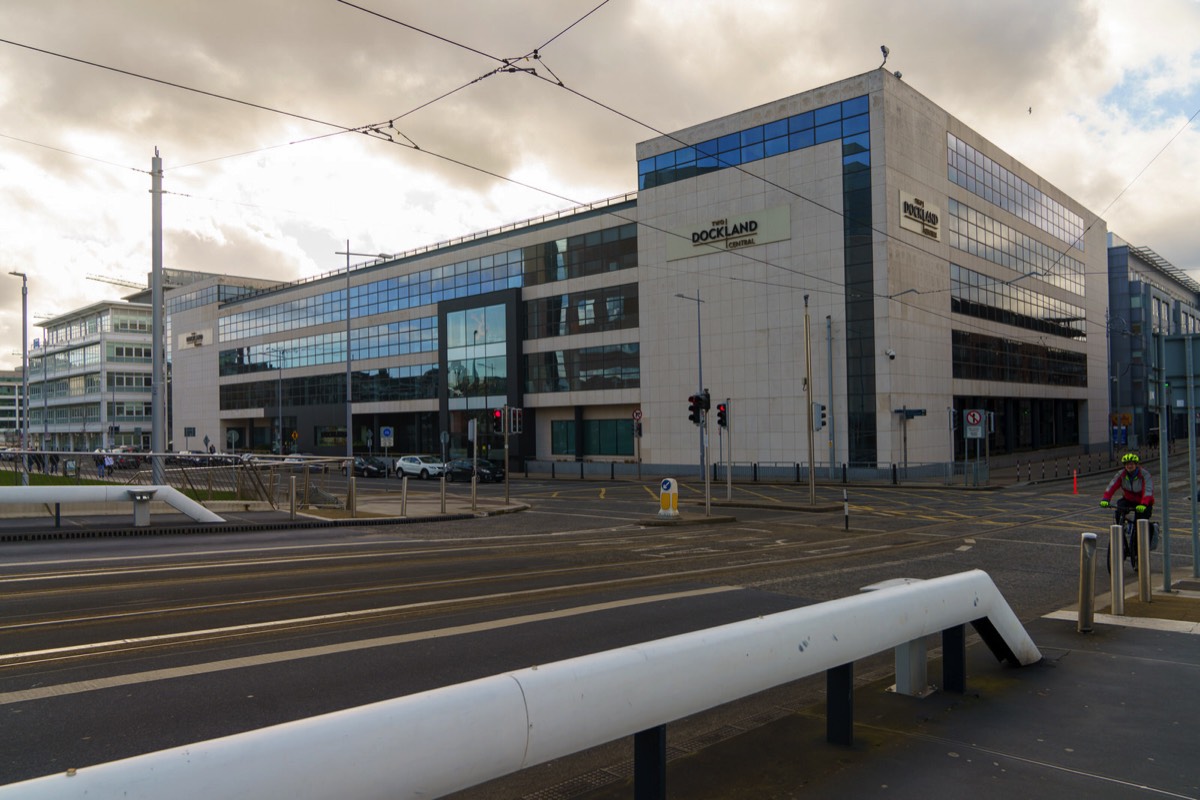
{"x":61,"y":690}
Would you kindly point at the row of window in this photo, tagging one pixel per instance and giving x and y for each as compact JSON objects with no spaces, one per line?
{"x":182,"y":301}
{"x":376,"y":341}
{"x":607,"y":250}
{"x":982,"y":176}
{"x":416,"y":382}
{"x":115,"y":320}
{"x":606,"y":367}
{"x":559,"y":259}
{"x":980,"y":235}
{"x":130,"y":353}
{"x":827,"y":124}
{"x":982,"y":296}
{"x":71,"y":415}
{"x":609,"y":309}
{"x":600,"y":437}
{"x":991,"y":358}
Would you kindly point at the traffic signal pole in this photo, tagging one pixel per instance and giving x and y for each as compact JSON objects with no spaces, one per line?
{"x":812,"y":454}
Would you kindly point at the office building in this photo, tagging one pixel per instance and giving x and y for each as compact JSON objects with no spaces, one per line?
{"x":854,"y":246}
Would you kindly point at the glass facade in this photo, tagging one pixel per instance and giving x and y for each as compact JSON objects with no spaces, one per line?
{"x":984,"y":297}
{"x":608,"y":309}
{"x":601,"y":437}
{"x":980,"y":175}
{"x":859,"y":277}
{"x":376,"y":341}
{"x":991,"y":358}
{"x":826,"y":124}
{"x":417,"y":382}
{"x":606,"y":367}
{"x":476,"y":354}
{"x":980,"y":235}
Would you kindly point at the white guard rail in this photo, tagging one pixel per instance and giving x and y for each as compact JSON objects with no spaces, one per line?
{"x":440,"y":741}
{"x":49,"y":495}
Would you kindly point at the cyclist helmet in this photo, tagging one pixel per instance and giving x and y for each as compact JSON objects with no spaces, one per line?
{"x":1130,"y":458}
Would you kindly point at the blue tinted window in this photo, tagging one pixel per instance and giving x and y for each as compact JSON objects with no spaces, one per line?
{"x":708,"y":148}
{"x":800,"y":122}
{"x":828,"y":114}
{"x":664,"y":160}
{"x":752,"y":135}
{"x":856,"y":106}
{"x":774,"y":129}
{"x":860,"y":159}
{"x":774,"y":147}
{"x":731,"y":159}
{"x":827,"y":133}
{"x":707,"y":163}
{"x":856,"y":143}
{"x":856,"y":124}
{"x":685,"y":156}
{"x":798,"y":141}
{"x":730,"y":142}
{"x":752,"y":152}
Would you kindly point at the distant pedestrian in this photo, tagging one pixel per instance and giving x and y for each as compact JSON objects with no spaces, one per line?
{"x":108,"y":464}
{"x":54,"y":463}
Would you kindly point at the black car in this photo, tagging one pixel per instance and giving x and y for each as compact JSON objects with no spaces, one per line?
{"x":463,"y":468}
{"x":366,"y":468}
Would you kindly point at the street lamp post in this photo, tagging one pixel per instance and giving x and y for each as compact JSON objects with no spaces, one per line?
{"x":24,"y":373}
{"x":349,"y":371}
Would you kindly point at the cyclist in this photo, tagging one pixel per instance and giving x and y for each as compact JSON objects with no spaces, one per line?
{"x":1137,"y":489}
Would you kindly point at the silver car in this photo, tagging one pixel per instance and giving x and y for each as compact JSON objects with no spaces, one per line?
{"x":422,"y":467}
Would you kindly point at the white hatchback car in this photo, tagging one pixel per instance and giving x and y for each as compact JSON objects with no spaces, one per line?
{"x":419,"y":466}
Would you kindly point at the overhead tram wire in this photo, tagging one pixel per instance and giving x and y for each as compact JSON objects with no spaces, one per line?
{"x":72,"y":153}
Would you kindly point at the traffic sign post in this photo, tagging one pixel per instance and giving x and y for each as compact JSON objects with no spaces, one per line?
{"x":973,"y":428}
{"x":637,"y":439}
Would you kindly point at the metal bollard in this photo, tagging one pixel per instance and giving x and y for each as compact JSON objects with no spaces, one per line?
{"x":292,"y":497}
{"x":352,"y":495}
{"x":1116,"y":561}
{"x":1087,"y":582}
{"x":444,"y":491}
{"x":404,"y":496}
{"x":1143,"y":551}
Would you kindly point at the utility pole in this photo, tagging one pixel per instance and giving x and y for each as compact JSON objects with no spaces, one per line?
{"x":158,"y":400}
{"x":812,"y":475}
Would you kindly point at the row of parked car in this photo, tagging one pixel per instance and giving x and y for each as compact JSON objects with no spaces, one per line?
{"x":425,"y":467}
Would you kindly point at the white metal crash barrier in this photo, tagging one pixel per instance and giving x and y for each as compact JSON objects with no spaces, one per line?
{"x":437,"y":742}
{"x":140,"y":496}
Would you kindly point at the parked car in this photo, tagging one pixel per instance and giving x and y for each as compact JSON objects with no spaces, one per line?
{"x":422,"y":467}
{"x":461,"y":469}
{"x":298,"y":462}
{"x":366,"y":468}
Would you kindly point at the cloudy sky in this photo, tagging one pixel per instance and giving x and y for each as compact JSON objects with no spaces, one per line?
{"x":258,"y":108}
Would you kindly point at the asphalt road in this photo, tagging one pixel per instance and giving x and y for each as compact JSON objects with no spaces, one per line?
{"x":110,"y":648}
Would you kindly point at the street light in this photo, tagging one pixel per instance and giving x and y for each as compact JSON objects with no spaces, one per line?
{"x":24,"y":373}
{"x":349,"y":407}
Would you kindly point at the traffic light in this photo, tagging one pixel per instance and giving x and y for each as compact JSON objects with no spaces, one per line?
{"x":705,"y":400}
{"x":694,"y":402}
{"x":818,"y":413}
{"x":516,"y":420}
{"x":722,"y":415}
{"x":637,"y":429}
{"x":497,"y":420}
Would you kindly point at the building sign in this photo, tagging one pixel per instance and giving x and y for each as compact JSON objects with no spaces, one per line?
{"x":194,"y":338}
{"x":919,"y":216}
{"x":731,"y":233}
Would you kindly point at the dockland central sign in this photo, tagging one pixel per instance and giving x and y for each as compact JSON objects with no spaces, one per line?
{"x":731,"y":233}
{"x":920,"y":217}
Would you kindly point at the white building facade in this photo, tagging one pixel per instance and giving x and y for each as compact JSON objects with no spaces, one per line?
{"x":854,"y":246}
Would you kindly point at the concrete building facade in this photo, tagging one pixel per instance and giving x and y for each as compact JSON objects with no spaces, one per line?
{"x":854,"y":246}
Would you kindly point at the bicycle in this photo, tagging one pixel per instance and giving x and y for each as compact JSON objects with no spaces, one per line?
{"x":1125,"y":517}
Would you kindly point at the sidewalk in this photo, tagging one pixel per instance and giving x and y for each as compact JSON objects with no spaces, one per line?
{"x":1107,"y":714}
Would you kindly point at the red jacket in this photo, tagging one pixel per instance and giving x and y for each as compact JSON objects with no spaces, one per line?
{"x":1137,"y":487}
